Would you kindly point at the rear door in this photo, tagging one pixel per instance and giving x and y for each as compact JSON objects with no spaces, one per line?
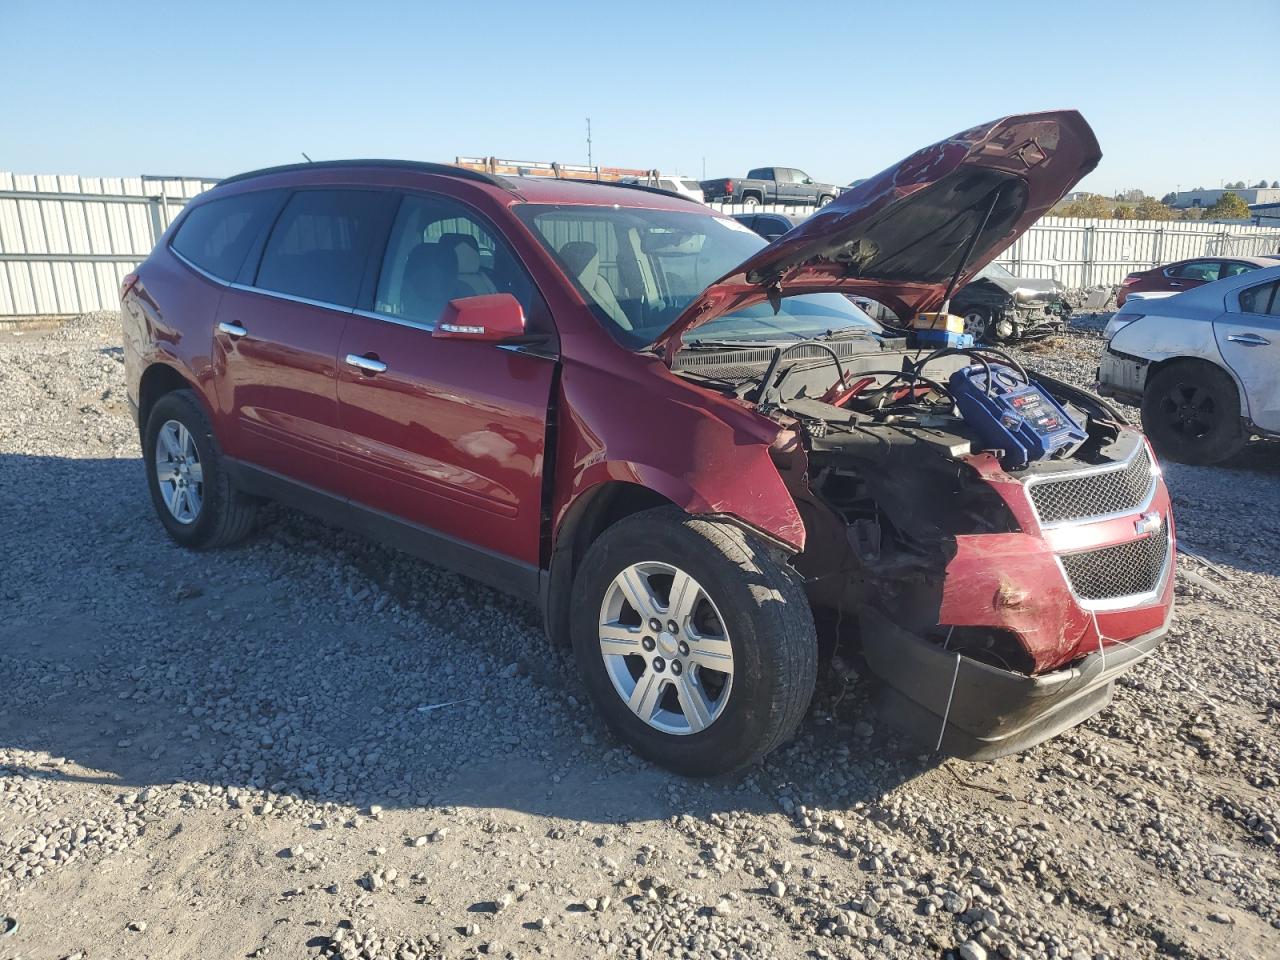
{"x":446,"y":434}
{"x":1249,"y":341}
{"x":279,"y":328}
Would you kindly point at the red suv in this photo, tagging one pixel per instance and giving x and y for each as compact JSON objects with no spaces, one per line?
{"x":688,"y":446}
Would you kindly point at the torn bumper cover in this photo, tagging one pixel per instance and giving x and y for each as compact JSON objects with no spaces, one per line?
{"x":977,"y":711}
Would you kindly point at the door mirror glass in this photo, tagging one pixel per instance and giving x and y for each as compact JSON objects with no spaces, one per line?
{"x":490,"y":317}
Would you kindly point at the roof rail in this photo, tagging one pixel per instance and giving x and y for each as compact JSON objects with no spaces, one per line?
{"x":420,"y":166}
{"x":638,"y":186}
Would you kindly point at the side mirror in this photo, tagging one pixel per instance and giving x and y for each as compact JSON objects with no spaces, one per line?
{"x":490,"y":318}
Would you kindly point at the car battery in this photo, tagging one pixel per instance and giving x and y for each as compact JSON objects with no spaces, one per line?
{"x":935,"y":330}
{"x":1013,"y":415}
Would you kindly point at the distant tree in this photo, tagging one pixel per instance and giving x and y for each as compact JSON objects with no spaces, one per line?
{"x":1198,"y":189}
{"x":1169,"y":199}
{"x":1149,"y":208}
{"x":1122,"y":213}
{"x":1275,"y":184}
{"x":1238,"y":185}
{"x":1091,"y":206}
{"x":1229,"y":207}
{"x":1260,"y":185}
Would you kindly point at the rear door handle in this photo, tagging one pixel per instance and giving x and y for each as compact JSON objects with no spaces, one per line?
{"x":367,"y":364}
{"x":1249,"y":339}
{"x":232,"y":329}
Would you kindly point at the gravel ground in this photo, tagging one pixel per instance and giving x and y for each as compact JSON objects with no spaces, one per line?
{"x":312,"y":746}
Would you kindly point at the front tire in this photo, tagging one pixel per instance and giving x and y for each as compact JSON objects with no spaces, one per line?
{"x":1191,"y":412}
{"x":977,"y":323}
{"x":694,"y":643}
{"x":194,"y":497}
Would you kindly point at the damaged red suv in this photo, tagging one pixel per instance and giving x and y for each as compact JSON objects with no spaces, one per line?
{"x":690,"y":448}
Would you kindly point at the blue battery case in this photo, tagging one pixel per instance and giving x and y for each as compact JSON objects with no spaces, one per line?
{"x":1015,"y":417}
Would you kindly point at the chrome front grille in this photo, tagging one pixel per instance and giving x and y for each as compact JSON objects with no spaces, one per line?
{"x":1088,"y":495}
{"x":1126,"y":570}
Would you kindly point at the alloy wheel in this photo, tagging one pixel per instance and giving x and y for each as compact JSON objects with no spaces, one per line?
{"x":975,"y":324}
{"x":178,"y":472}
{"x":1190,"y":410}
{"x":665,"y":648}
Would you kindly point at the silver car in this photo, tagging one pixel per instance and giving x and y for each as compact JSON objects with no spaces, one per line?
{"x":1204,"y":366}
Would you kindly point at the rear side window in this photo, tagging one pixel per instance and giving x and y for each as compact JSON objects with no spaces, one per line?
{"x":215,"y":236}
{"x":1260,"y":299}
{"x":319,"y":245}
{"x":1235,"y":268}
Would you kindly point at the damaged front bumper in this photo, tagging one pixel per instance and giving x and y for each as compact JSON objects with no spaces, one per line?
{"x":976,"y":711}
{"x":1032,"y":322}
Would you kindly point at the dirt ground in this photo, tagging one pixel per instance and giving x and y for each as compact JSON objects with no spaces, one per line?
{"x":313,"y":746}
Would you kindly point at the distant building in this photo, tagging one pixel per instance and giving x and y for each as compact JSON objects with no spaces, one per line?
{"x":1266,"y":214}
{"x":1207,"y":198}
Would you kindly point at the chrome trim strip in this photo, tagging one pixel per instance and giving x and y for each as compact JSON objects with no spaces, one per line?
{"x":1120,"y":603}
{"x":245,"y":288}
{"x":1118,"y":466}
{"x":200,"y":270}
{"x":399,"y":321}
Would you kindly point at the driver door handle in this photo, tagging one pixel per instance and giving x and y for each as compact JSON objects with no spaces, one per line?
{"x":233,"y":330}
{"x":1249,"y":339}
{"x":367,"y":364}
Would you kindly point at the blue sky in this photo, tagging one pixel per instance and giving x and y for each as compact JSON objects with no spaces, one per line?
{"x":1175,"y":91}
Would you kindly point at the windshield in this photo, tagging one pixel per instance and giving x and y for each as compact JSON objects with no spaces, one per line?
{"x":639,"y":269}
{"x":995,"y":270}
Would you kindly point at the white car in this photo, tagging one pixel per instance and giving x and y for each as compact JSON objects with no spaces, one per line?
{"x":672,"y":183}
{"x":1133,"y":304}
{"x":1204,"y":365}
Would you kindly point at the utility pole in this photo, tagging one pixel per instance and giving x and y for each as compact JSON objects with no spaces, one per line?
{"x":704,"y":168}
{"x":589,"y":163}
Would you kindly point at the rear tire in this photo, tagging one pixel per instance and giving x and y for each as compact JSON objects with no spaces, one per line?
{"x":750,"y":202}
{"x":736,"y":607}
{"x":196,"y":501}
{"x":824,"y":200}
{"x":1191,"y":413}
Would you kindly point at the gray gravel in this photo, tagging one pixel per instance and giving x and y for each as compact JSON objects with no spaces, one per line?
{"x":312,"y":746}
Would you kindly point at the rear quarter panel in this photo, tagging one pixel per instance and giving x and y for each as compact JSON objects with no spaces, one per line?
{"x":168,"y":318}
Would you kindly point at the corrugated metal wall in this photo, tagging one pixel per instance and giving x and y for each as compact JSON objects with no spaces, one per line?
{"x":66,"y":241}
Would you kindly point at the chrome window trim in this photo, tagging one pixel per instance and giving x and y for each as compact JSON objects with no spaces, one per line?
{"x":200,"y":270}
{"x":398,"y":321}
{"x":1121,"y":603}
{"x":293,"y":298}
{"x":1118,"y":466}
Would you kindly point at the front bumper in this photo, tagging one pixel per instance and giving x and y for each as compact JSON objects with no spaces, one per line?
{"x":976,"y":711}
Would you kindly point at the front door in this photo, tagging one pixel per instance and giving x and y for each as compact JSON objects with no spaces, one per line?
{"x":278,"y":333}
{"x":446,"y":434}
{"x":1250,"y":344}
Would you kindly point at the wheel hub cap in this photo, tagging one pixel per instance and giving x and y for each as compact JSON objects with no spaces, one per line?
{"x":676,"y":678}
{"x":179,"y":472}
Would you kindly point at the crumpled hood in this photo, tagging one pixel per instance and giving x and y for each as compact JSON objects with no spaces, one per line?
{"x":900,"y":236}
{"x":1027,"y":289}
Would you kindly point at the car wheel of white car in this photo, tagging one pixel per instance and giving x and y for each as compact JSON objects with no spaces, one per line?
{"x":695,"y":644}
{"x":1191,"y":413}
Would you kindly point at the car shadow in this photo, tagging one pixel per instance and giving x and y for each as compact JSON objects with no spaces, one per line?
{"x":314,"y":664}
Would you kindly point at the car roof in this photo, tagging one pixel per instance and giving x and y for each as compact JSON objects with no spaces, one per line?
{"x":519,"y":188}
{"x":1256,"y":261}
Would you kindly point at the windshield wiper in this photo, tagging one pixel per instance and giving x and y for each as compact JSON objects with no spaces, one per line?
{"x":846,"y":332}
{"x":729,"y":344}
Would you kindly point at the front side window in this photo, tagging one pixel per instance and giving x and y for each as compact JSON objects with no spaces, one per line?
{"x":1206,"y":270}
{"x":639,"y":269}
{"x":440,"y":251}
{"x":217,"y":235}
{"x":1261,"y":299}
{"x":318,"y":247}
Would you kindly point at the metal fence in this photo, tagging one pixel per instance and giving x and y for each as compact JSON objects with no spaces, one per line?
{"x":66,"y":241}
{"x":1086,"y":253}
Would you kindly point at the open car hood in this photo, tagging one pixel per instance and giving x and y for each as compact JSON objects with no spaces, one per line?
{"x":899,"y":237}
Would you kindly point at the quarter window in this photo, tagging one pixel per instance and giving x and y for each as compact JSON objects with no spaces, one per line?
{"x":1261,"y":299}
{"x":318,"y":247}
{"x":439,"y":251}
{"x":217,"y":235}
